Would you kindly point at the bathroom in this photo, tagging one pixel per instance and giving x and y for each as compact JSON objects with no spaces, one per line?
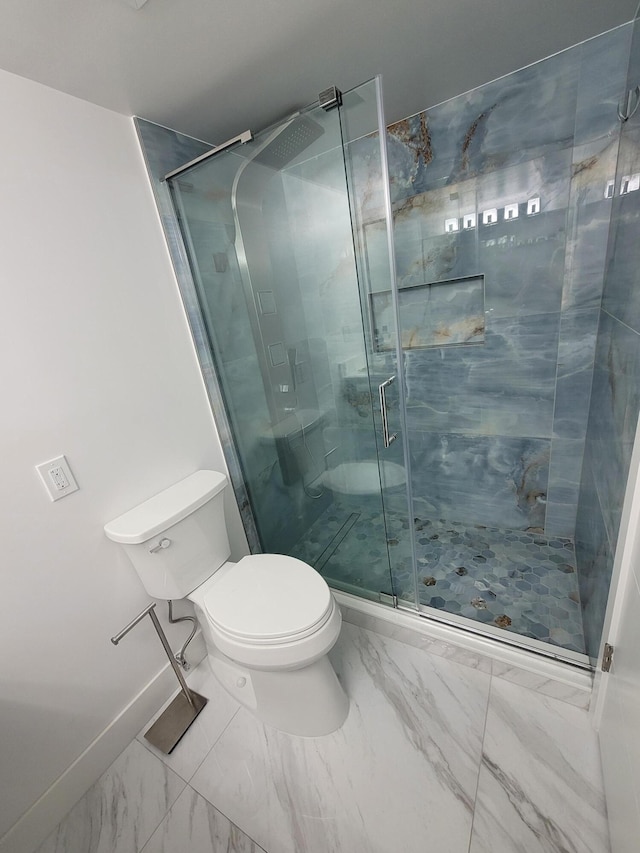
{"x":106,"y":372}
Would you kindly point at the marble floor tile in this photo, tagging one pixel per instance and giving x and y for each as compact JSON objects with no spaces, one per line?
{"x":540,"y":788}
{"x":120,"y":812}
{"x":574,"y":695}
{"x":195,"y":825}
{"x":403,"y":767}
{"x":206,"y":728}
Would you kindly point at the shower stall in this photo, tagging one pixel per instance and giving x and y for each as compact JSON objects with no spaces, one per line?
{"x":409,"y":338}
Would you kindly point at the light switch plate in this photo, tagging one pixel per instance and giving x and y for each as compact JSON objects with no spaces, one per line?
{"x":57,"y":478}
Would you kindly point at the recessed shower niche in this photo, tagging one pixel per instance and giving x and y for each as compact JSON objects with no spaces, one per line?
{"x":436,"y":314}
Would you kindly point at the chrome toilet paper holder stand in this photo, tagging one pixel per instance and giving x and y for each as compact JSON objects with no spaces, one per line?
{"x":173,"y":723}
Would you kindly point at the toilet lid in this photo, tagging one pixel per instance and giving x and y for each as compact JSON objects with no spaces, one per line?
{"x":267,"y":597}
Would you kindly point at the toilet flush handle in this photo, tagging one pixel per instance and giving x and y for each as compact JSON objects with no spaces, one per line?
{"x":162,"y":544}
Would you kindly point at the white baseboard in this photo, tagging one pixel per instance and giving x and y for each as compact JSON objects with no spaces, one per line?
{"x":35,"y":825}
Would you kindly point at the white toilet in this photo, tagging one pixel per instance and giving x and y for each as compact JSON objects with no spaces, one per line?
{"x":268,"y":620}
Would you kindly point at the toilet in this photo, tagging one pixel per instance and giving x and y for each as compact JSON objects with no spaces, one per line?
{"x":268,"y":620}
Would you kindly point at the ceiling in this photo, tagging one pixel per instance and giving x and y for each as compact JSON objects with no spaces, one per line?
{"x":213,"y":69}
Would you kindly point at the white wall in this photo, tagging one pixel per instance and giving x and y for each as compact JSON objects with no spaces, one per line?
{"x":96,"y":362}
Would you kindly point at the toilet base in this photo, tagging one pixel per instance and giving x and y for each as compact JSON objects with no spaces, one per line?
{"x":309,"y":701}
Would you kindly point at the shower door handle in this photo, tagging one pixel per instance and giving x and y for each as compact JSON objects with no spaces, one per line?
{"x":388,"y":439}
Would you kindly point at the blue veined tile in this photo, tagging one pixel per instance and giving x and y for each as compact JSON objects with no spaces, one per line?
{"x":523,"y":265}
{"x":633,"y":74}
{"x":546,"y":176}
{"x":452,"y":413}
{"x":614,"y":414}
{"x":522,"y":258}
{"x":489,"y":480}
{"x":565,"y":470}
{"x":408,"y":153}
{"x":593,"y":165}
{"x":617,"y":399}
{"x":440,"y":257}
{"x":621,"y":292}
{"x":364,"y":165}
{"x":440,"y":313}
{"x":595,"y":587}
{"x":586,"y":256}
{"x":507,"y":383}
{"x":603,"y":72}
{"x":449,"y":256}
{"x":496,"y":125}
{"x":408,"y":239}
{"x":561,"y":519}
{"x":594,"y":557}
{"x":166,"y":149}
{"x":576,"y":354}
{"x":564,"y":486}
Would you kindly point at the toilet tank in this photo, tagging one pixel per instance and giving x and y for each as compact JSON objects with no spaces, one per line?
{"x":177,"y":538}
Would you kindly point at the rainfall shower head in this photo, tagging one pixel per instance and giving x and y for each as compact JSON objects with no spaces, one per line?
{"x":291,"y":141}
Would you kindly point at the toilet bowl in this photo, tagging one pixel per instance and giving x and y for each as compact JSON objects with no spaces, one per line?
{"x":268,"y":620}
{"x":268,"y":625}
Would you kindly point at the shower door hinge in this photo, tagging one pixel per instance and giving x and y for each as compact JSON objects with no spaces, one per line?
{"x":330,"y":98}
{"x":388,"y":598}
{"x":607,"y":657}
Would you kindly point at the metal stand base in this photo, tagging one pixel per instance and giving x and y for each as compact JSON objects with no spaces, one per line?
{"x":171,"y":725}
{"x":174,"y":721}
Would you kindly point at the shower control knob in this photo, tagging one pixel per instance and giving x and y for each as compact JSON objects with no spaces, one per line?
{"x":162,"y":544}
{"x":241,"y":682}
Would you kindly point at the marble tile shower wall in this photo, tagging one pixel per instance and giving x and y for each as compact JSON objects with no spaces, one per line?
{"x":615,"y":399}
{"x":497,"y":428}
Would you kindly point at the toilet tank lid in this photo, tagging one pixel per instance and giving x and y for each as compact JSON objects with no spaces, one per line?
{"x":166,"y":508}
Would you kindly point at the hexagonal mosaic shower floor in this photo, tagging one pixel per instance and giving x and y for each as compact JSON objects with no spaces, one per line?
{"x":517,"y":581}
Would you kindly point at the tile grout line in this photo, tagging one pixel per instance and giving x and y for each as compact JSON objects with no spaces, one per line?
{"x":197,"y":794}
{"x":484,"y":733}
{"x":142,"y":741}
{"x":164,"y":816}
{"x":145,"y":744}
{"x":193,"y":790}
{"x":233,"y":823}
{"x":213,"y":746}
{"x":202,"y":796}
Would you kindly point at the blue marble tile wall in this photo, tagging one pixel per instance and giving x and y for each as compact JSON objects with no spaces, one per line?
{"x":615,"y":397}
{"x":497,"y":428}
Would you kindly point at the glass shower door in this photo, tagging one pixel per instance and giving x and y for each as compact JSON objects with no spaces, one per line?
{"x":267,"y":227}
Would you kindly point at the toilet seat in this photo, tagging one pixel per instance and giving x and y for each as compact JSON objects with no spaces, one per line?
{"x":268,"y":612}
{"x":268,"y":599}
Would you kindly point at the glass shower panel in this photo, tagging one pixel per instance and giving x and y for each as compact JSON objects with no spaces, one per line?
{"x":268,"y":234}
{"x":381,"y":379}
{"x":500,"y":205}
{"x":615,"y":391}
